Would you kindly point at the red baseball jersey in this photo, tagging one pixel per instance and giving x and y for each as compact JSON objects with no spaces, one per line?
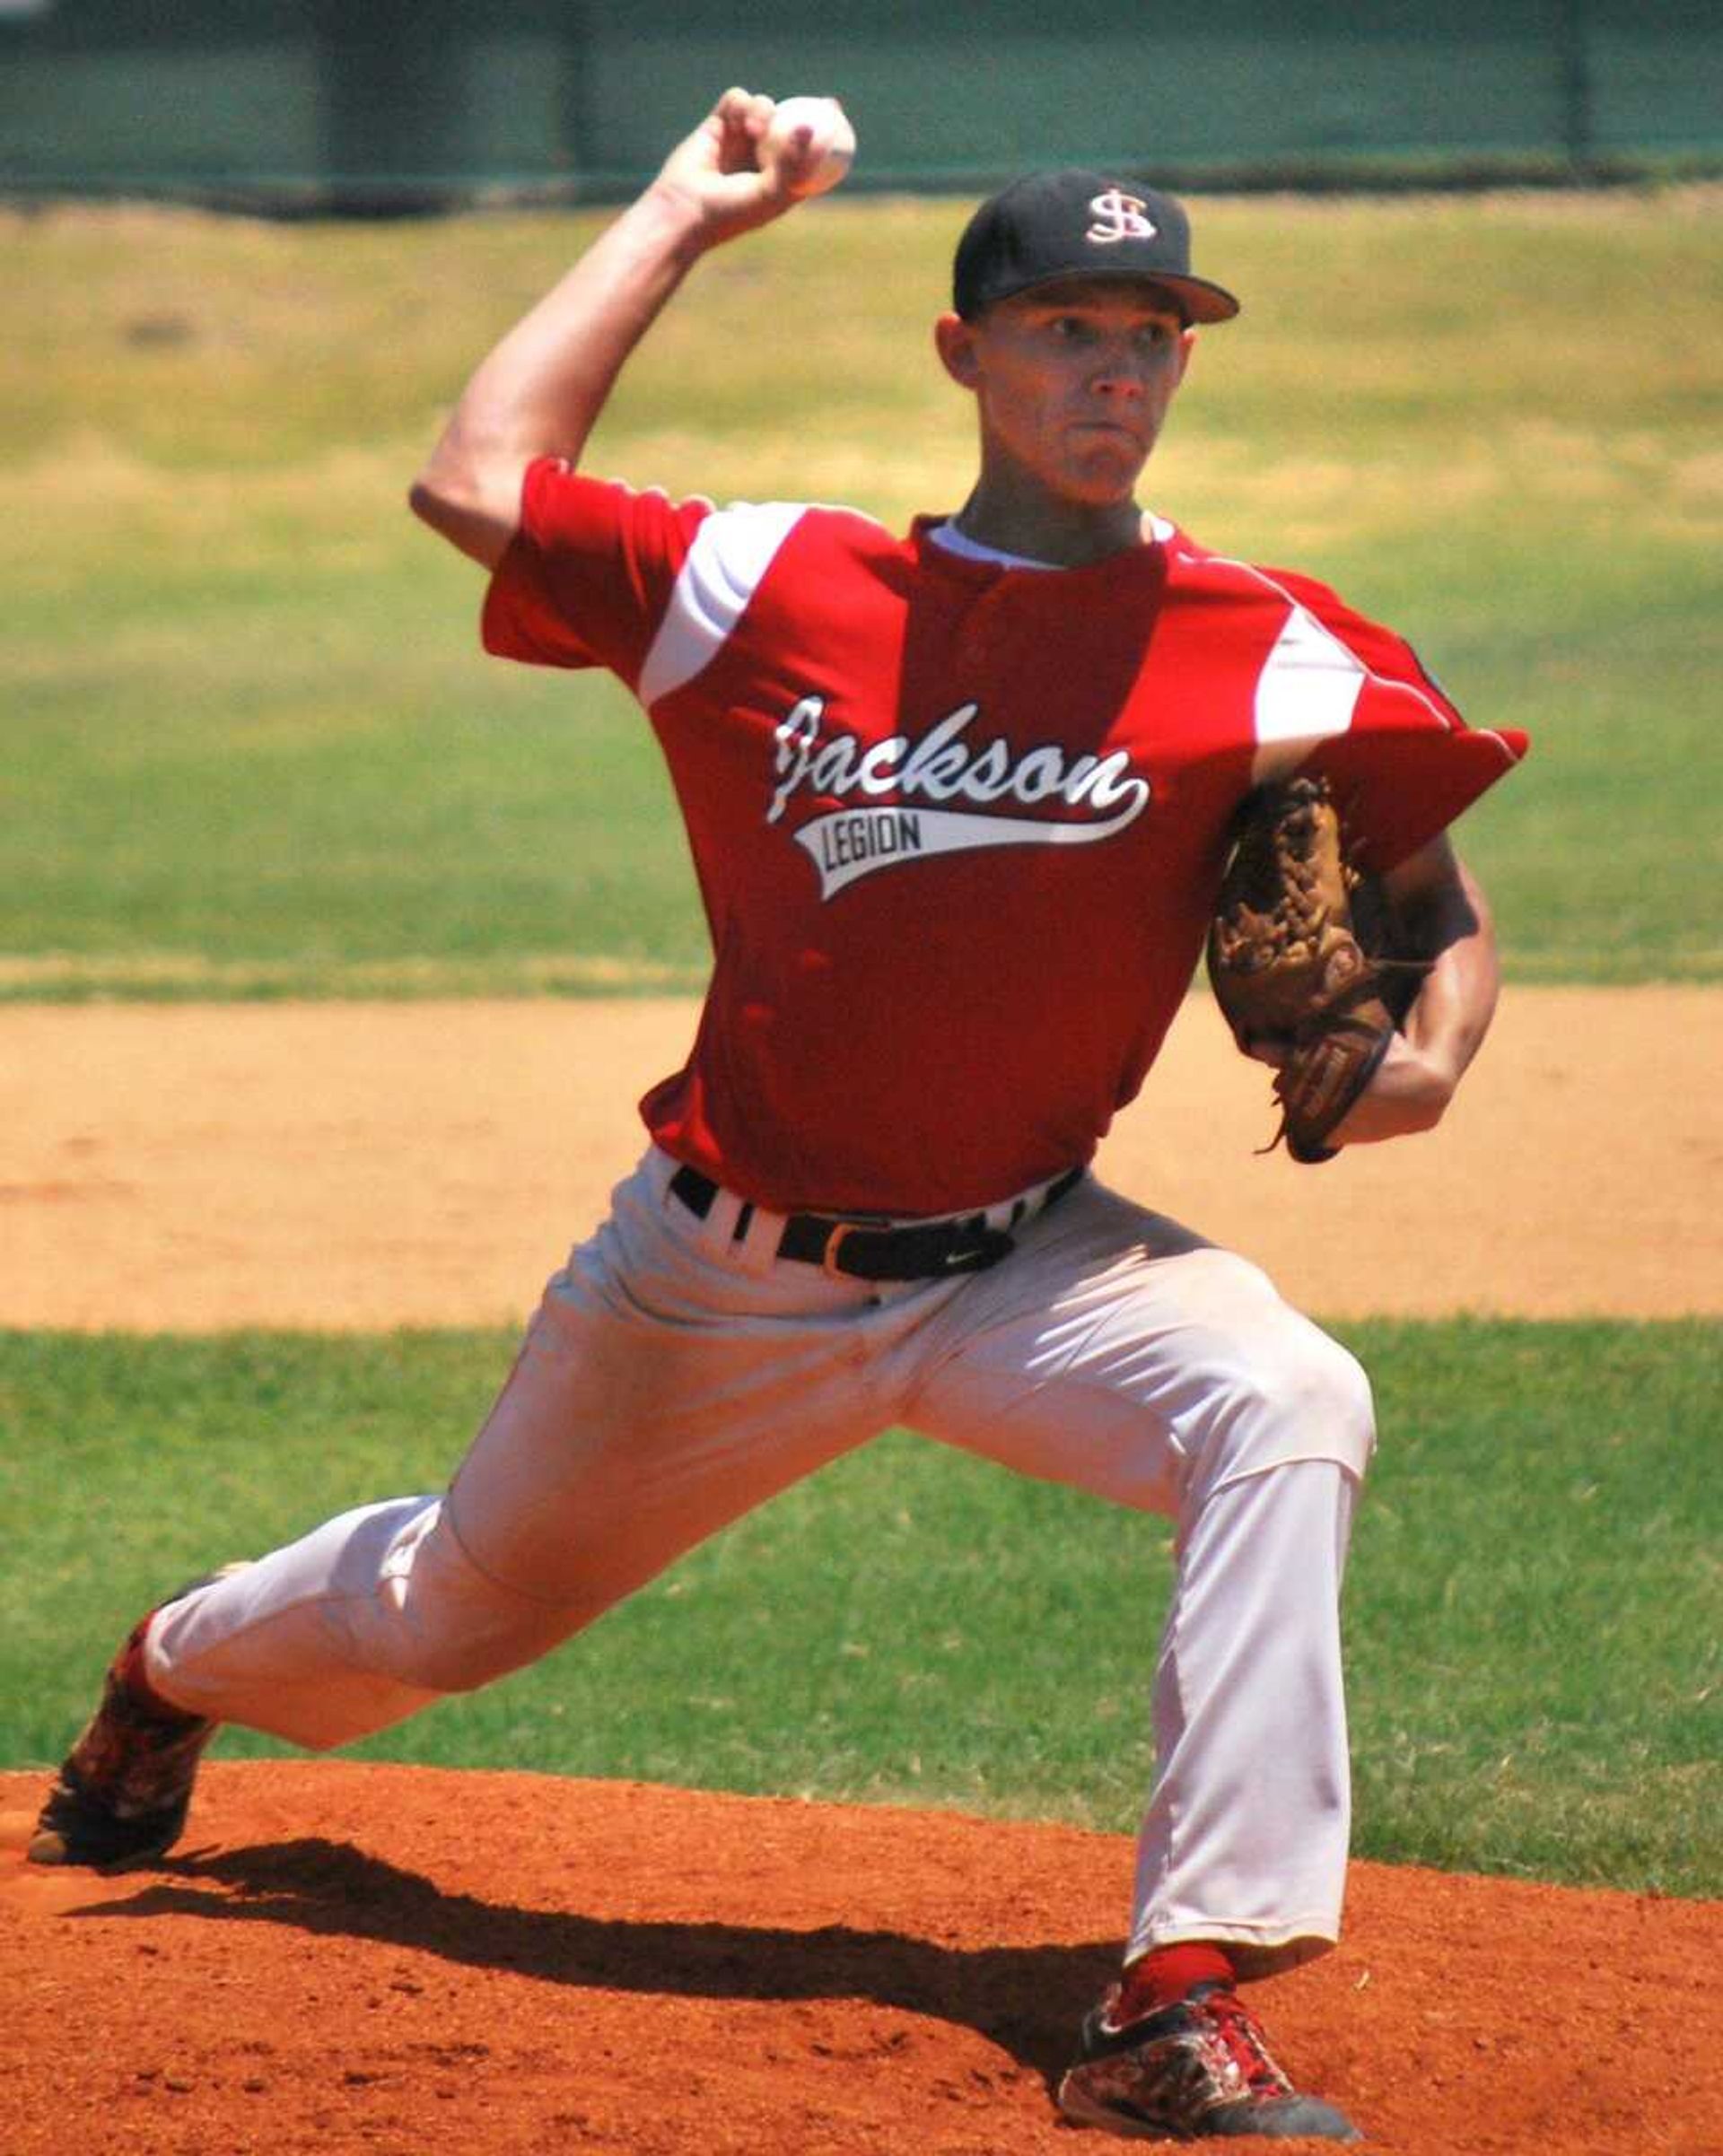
{"x":958,"y":826}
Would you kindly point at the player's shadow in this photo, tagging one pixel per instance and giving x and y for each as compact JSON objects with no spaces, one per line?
{"x":1027,"y":1999}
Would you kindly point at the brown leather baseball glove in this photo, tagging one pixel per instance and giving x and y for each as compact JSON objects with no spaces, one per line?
{"x":1289,"y":962}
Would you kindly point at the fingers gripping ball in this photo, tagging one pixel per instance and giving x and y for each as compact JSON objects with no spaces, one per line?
{"x":811,"y":138}
{"x":1290,"y":965}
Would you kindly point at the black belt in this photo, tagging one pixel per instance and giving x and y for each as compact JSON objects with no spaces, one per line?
{"x":920,"y":1252}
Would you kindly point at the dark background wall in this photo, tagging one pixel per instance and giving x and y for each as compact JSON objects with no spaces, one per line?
{"x":374,"y":101}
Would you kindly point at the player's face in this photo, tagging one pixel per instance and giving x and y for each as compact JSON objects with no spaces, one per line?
{"x":1073,"y":382}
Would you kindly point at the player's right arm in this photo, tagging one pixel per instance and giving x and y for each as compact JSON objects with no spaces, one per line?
{"x":540,"y":392}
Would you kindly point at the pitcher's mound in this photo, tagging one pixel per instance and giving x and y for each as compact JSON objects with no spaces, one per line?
{"x":344,"y":1957}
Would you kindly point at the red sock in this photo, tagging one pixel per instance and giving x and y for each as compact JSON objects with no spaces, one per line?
{"x":1166,"y":1974}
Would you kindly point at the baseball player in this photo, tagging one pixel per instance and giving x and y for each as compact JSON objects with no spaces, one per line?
{"x":958,"y":803}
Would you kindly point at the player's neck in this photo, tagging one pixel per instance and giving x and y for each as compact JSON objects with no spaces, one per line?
{"x":1045,"y":527}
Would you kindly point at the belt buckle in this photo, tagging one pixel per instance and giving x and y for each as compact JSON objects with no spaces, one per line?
{"x":828,"y":1257}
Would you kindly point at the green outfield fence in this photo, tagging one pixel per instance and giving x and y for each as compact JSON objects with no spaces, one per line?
{"x":395,"y":104}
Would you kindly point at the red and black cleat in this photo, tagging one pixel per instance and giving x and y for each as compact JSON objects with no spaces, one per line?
{"x":1195,"y":2070}
{"x":123,"y":1789}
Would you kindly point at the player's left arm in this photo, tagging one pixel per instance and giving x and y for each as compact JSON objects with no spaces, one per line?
{"x":1444,"y":919}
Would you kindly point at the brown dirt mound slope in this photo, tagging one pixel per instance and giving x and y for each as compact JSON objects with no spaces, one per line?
{"x":348,"y":1957}
{"x":358,"y":1166}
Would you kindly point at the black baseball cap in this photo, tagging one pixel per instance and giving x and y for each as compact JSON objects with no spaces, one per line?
{"x":1079,"y":223}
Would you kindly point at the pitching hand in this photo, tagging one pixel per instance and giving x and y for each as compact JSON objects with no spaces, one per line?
{"x":722,"y":169}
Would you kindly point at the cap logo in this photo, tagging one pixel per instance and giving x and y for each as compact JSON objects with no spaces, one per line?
{"x":1118,"y":217}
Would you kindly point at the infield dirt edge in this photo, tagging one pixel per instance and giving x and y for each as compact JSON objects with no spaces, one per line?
{"x":362,"y":1165}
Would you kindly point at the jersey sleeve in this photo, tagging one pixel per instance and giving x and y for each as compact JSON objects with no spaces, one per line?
{"x":588,"y":573}
{"x":1407,"y":764}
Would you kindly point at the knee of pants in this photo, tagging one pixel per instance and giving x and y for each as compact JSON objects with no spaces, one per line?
{"x":451,"y":1628}
{"x":1293,"y":1394}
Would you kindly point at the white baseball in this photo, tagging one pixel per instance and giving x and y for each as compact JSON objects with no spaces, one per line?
{"x":832,"y":145}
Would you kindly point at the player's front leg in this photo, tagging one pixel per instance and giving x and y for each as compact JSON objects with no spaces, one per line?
{"x":1132,"y":1361}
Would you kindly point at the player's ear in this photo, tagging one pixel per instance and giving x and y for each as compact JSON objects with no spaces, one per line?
{"x":954,"y":340}
{"x":1187,"y":346}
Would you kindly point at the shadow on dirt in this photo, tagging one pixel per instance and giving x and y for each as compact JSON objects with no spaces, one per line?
{"x":1026,"y":2000}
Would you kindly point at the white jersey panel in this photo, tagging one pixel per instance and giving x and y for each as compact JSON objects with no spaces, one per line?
{"x":1305,"y":692}
{"x":731,"y":552}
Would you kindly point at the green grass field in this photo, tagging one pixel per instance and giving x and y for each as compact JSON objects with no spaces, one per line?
{"x":1533,"y":1611}
{"x":253,"y":748}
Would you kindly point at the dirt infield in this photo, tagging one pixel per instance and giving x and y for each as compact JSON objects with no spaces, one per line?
{"x":354,"y":1165}
{"x":346,"y":1959}
{"x":349,"y":1959}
